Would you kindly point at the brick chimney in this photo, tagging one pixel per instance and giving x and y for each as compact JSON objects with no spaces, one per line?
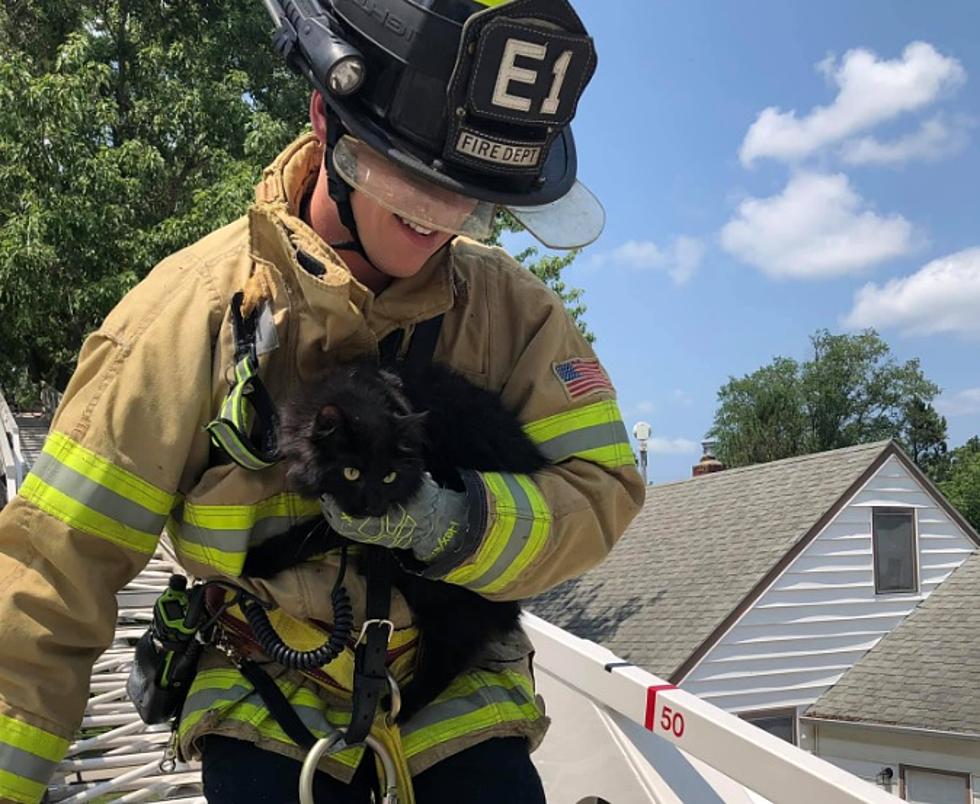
{"x":708,"y":463}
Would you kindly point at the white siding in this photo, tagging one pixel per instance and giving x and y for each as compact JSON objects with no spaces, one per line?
{"x":822,"y":614}
{"x":865,"y":752}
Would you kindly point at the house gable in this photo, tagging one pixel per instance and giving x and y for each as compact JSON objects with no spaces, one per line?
{"x":819,"y":613}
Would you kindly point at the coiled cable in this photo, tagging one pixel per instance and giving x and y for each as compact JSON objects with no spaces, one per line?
{"x":277,"y":650}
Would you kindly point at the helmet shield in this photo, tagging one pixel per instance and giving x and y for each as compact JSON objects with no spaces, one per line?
{"x":573,"y":221}
{"x":409,"y":195}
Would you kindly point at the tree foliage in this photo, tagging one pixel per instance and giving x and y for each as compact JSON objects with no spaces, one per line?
{"x":548,"y":269}
{"x":958,"y":477}
{"x":130,"y":128}
{"x":851,"y":391}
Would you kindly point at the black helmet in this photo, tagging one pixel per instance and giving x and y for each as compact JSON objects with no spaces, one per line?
{"x":473,"y":96}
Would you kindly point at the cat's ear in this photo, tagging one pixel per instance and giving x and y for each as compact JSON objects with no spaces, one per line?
{"x":412,"y":419}
{"x":326,"y":422}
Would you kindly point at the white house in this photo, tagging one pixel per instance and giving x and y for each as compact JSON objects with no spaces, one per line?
{"x":758,"y":588}
{"x":907,"y":715}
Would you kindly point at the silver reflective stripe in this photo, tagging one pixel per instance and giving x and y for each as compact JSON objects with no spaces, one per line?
{"x":235,"y":541}
{"x":207,"y":698}
{"x":97,"y":497}
{"x":313,"y":719}
{"x":579,"y":441}
{"x":266,"y":337}
{"x":25,"y":764}
{"x":523,"y":524}
{"x":441,"y":711}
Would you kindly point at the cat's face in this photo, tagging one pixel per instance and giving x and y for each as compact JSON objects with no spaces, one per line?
{"x":359,"y":446}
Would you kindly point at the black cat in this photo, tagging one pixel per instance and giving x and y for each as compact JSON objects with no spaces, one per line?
{"x":365,"y":435}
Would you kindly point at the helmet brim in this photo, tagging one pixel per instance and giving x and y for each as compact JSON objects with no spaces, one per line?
{"x":558,"y":210}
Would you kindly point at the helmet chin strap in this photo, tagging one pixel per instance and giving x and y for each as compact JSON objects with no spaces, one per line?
{"x":339,"y":190}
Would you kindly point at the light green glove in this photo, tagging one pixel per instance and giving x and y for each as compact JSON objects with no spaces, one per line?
{"x":427,"y":524}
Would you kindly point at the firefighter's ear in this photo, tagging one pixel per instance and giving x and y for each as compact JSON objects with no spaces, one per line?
{"x":318,"y":116}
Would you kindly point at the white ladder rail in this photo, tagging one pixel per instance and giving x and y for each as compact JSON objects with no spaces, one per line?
{"x":760,"y":762}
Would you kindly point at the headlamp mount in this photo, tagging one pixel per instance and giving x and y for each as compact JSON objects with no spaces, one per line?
{"x":306,"y":38}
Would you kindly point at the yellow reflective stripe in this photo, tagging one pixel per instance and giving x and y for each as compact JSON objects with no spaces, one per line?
{"x":220,"y":535}
{"x":245,"y":517}
{"x":18,"y":789}
{"x":78,"y":516}
{"x":86,"y":492}
{"x":99,"y":470}
{"x":474,"y":701}
{"x":228,"y":693}
{"x":28,"y":756}
{"x":492,"y":3}
{"x":31,"y":738}
{"x":521,"y":522}
{"x":594,"y":433}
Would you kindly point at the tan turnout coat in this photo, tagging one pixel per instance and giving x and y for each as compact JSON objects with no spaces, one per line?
{"x":128,"y":455}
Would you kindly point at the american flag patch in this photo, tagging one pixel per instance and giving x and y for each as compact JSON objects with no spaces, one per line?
{"x":582,"y":376}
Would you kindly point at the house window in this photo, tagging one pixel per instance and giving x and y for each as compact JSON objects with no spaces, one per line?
{"x":896,"y":568}
{"x":779,"y":723}
{"x":929,"y":786}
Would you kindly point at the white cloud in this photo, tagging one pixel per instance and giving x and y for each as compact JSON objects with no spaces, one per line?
{"x":943,"y":296}
{"x":817,"y":227}
{"x":671,"y":446}
{"x":962,"y":403}
{"x":680,"y":260}
{"x":871,"y":91}
{"x":934,"y":140}
{"x":646,"y":407}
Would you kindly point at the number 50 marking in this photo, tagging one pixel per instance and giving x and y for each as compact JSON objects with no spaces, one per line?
{"x":672,"y":721}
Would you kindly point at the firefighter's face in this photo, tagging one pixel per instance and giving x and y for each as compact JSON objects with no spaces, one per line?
{"x":395,"y":246}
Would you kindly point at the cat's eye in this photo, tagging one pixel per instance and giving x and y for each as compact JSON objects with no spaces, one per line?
{"x":351,"y":473}
{"x":390,"y":477}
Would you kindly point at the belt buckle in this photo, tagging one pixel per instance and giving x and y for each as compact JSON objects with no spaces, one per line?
{"x":376,"y":621}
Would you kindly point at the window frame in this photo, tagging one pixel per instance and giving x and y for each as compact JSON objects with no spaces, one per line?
{"x":916,"y":569}
{"x":778,"y":711}
{"x":902,"y":784}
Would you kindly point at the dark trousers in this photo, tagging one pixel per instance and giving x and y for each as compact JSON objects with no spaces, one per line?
{"x":494,"y":771}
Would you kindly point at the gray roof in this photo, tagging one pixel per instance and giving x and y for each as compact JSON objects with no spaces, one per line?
{"x":698,"y":549}
{"x":925,"y":673}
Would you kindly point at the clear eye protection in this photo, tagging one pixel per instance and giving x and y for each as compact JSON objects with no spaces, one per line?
{"x":411,"y":197}
{"x":574,"y":220}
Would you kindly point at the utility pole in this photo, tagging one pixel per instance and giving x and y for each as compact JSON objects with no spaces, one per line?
{"x":641,"y":432}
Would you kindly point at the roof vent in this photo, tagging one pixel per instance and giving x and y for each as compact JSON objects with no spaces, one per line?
{"x":708,"y":463}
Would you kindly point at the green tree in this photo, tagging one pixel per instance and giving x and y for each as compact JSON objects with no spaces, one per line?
{"x":129,"y":129}
{"x":851,"y":391}
{"x":548,"y":269}
{"x":960,"y":480}
{"x":924,"y":435}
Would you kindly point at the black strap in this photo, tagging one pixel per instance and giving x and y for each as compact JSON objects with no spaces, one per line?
{"x":370,"y":672}
{"x":421,"y":348}
{"x":279,"y":707}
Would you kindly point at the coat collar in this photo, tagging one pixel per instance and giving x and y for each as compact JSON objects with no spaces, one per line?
{"x":278,"y":234}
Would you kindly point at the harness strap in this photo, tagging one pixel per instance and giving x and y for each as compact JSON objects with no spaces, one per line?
{"x":370,"y":673}
{"x":256,"y":447}
{"x":279,"y":706}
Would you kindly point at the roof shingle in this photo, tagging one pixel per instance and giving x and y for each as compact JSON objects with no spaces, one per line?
{"x":695,"y":551}
{"x":924,"y":674}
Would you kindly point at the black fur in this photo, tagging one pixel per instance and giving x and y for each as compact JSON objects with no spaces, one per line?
{"x":405,"y":421}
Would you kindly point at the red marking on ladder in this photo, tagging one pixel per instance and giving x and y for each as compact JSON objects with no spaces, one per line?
{"x":652,"y":703}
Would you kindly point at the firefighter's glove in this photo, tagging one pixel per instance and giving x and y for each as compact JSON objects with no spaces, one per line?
{"x":427,"y":524}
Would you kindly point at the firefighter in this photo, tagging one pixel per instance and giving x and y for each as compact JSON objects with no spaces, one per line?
{"x":427,"y":118}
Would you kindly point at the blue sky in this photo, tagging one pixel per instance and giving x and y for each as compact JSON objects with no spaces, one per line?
{"x":771,"y":168}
